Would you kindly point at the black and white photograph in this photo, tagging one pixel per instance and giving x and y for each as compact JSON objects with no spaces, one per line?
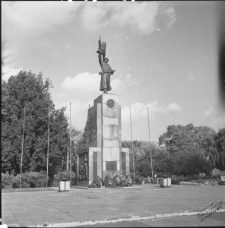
{"x":113,"y":113}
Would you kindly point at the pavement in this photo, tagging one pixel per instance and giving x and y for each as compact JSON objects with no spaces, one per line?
{"x":142,"y":206}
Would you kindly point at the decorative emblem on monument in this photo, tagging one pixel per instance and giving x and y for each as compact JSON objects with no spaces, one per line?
{"x":110,"y":103}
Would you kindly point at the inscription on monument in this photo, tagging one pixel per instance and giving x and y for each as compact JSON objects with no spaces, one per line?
{"x":111,"y":165}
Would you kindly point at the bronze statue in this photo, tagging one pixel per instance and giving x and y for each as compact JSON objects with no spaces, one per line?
{"x":106,"y":68}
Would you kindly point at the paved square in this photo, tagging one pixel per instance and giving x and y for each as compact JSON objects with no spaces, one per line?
{"x":50,"y":207}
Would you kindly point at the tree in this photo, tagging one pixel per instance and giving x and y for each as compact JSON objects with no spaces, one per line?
{"x":160,"y":160}
{"x":30,"y":89}
{"x":220,"y":142}
{"x":191,"y":139}
{"x":193,"y":149}
{"x":77,"y":144}
{"x":138,"y":149}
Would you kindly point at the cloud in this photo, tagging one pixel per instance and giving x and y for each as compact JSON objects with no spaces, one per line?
{"x":170,"y":13}
{"x":214,"y":118}
{"x":174,"y":107}
{"x":88,"y":82}
{"x":92,"y":16}
{"x":116,"y":84}
{"x":7,"y":72}
{"x":140,"y":16}
{"x":139,"y":110}
{"x":218,"y":123}
{"x":209,"y":112}
{"x":131,"y":81}
{"x":39,"y":15}
{"x":78,"y":112}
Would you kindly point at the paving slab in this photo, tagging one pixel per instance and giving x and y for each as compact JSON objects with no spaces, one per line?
{"x":36,"y":208}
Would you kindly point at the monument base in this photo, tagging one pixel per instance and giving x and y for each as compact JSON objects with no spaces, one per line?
{"x":103,"y":154}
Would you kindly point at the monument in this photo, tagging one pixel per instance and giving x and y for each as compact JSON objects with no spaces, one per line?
{"x":103,"y":153}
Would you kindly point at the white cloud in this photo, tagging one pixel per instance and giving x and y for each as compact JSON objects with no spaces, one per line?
{"x":218,"y":123}
{"x":214,"y":118}
{"x":139,"y":110}
{"x":39,"y":15}
{"x":140,"y":16}
{"x":84,"y":81}
{"x":116,"y":84}
{"x":87,"y":82}
{"x":209,"y":112}
{"x":131,"y":81}
{"x":92,"y":16}
{"x":170,"y":13}
{"x":7,"y":72}
{"x":78,"y":112}
{"x":174,"y":107}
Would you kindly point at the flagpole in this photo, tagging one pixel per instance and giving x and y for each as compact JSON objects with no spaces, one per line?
{"x":48,"y":147}
{"x":21,"y":160}
{"x":150,"y":143}
{"x":132,"y":144}
{"x":70,"y":143}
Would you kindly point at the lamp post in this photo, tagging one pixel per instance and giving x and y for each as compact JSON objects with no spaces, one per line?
{"x":70,"y":143}
{"x":48,"y":147}
{"x":132,"y":144}
{"x":21,"y":160}
{"x":150,"y":144}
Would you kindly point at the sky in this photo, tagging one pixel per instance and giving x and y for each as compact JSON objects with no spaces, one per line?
{"x":165,"y":55}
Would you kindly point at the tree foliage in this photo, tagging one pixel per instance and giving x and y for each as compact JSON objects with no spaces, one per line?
{"x":182,"y":150}
{"x":30,"y":92}
{"x":190,"y":139}
{"x":220,"y":142}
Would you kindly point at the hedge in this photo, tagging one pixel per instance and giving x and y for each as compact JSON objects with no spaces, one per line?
{"x":28,"y":180}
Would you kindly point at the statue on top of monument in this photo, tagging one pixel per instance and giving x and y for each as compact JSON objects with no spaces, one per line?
{"x":106,"y":68}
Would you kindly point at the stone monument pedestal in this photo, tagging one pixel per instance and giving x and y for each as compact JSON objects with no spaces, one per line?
{"x":103,"y":154}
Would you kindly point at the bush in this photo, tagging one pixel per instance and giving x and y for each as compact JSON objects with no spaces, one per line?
{"x":96,"y":183}
{"x":64,"y":175}
{"x":129,"y":180}
{"x":138,"y":178}
{"x":215,"y":172}
{"x":108,"y":181}
{"x":37,"y":180}
{"x":117,"y":180}
{"x":24,"y":181}
{"x":200,"y":181}
{"x":175,"y":181}
{"x":6,"y":180}
{"x":30,"y":180}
